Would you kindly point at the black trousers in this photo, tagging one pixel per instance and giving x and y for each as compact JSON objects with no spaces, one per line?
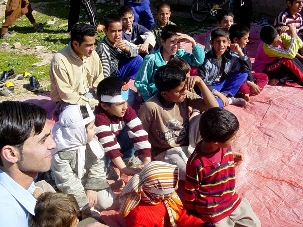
{"x":74,"y":12}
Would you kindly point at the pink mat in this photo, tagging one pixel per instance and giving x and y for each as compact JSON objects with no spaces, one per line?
{"x":271,"y":140}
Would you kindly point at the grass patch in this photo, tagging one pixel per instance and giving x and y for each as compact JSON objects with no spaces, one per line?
{"x":54,"y":36}
{"x":23,"y":63}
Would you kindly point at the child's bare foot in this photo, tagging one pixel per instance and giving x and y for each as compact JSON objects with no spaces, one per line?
{"x":117,"y":185}
{"x":246,"y":97}
{"x":273,"y":82}
{"x":238,"y":157}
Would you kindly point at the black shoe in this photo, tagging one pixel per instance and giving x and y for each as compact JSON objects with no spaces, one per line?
{"x":7,"y":75}
{"x":33,"y":83}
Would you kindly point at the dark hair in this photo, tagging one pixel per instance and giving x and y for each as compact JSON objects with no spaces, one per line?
{"x":18,"y":120}
{"x":268,"y":34}
{"x":54,"y":210}
{"x":168,"y":77}
{"x":80,"y":30}
{"x":218,"y":125}
{"x":291,"y":1}
{"x":123,"y":10}
{"x":237,"y":31}
{"x":223,"y":13}
{"x":84,"y":113}
{"x":219,"y":32}
{"x":111,"y":18}
{"x":169,"y":31}
{"x":162,"y":5}
{"x":109,"y":86}
{"x":180,"y":63}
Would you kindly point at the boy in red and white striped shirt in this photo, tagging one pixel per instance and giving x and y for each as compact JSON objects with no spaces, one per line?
{"x":119,"y":130}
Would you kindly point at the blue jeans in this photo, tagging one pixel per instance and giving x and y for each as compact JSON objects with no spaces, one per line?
{"x":126,"y":145}
{"x":231,"y":84}
{"x":129,"y":67}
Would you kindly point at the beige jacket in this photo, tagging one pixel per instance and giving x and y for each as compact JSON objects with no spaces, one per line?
{"x":71,"y":77}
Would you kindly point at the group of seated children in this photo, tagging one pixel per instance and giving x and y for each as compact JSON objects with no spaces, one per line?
{"x":160,"y":137}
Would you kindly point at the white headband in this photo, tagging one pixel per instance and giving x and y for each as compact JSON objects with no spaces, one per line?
{"x":117,"y":98}
{"x":112,"y":99}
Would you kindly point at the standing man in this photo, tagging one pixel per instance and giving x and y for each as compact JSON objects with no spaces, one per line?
{"x":14,"y":10}
{"x":74,"y":13}
{"x":75,"y":68}
{"x":25,"y":150}
{"x":141,"y":10}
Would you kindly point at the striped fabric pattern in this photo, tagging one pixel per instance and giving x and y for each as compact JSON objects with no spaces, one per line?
{"x":284,"y":19}
{"x":109,"y":127}
{"x":209,"y":187}
{"x":154,"y":184}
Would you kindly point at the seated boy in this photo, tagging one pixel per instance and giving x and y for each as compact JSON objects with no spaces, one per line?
{"x":119,"y":130}
{"x":210,"y":174}
{"x":142,"y":11}
{"x":170,"y":39}
{"x":163,"y":14}
{"x":118,"y":57}
{"x":291,"y":15}
{"x":134,"y":32}
{"x":255,"y":82}
{"x":276,"y":56}
{"x":165,"y":116}
{"x":224,"y":69}
{"x":225,"y":19}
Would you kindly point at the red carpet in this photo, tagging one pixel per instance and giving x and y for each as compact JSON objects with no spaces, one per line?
{"x":271,"y":140}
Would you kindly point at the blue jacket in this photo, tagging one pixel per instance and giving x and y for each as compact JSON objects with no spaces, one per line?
{"x":209,"y":71}
{"x":145,"y":77}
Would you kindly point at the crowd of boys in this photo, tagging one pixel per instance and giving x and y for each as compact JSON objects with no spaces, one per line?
{"x":178,"y":112}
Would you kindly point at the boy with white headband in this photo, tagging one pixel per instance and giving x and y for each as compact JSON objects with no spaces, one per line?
{"x":78,"y":161}
{"x":119,"y":129}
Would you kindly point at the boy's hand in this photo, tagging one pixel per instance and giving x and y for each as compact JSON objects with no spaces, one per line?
{"x":122,"y":46}
{"x":191,"y":81}
{"x":238,"y":157}
{"x":143,"y":48}
{"x":254,"y":88}
{"x":223,"y":98}
{"x":292,"y":31}
{"x":131,"y":171}
{"x":284,"y":29}
{"x":236,"y":48}
{"x":184,"y":37}
{"x":92,"y":197}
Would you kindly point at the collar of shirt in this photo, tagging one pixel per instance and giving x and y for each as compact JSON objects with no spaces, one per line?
{"x":23,"y":196}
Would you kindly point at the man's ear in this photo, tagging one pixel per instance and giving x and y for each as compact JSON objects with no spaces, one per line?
{"x":75,"y":43}
{"x":10,"y":154}
{"x":235,"y":40}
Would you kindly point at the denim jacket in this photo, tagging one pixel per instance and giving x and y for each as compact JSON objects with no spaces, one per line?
{"x":209,"y":70}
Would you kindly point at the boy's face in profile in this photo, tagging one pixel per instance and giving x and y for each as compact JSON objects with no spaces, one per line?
{"x":171,"y":45}
{"x":226,"y":22}
{"x":227,"y":143}
{"x":116,"y":109}
{"x":127,"y":21}
{"x":277,"y":41}
{"x":114,"y":32}
{"x":220,"y":45}
{"x":295,"y":6}
{"x":177,"y":94}
{"x":243,"y":41}
{"x":163,"y":15}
